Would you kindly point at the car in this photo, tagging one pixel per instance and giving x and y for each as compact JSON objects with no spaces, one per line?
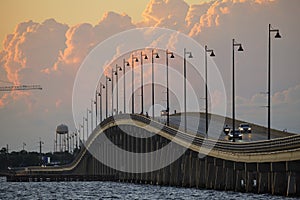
{"x":236,"y":134}
{"x":245,"y":128}
{"x":226,"y":129}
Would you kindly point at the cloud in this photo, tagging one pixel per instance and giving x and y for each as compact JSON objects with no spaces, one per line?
{"x":166,"y":13}
{"x":284,"y":112}
{"x":50,"y":53}
{"x":217,"y":10}
{"x":82,"y":38}
{"x":27,"y":51}
{"x":289,"y":96}
{"x":195,"y":12}
{"x":32,"y":45}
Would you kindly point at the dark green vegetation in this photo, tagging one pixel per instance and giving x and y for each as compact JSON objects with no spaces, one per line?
{"x":25,"y":159}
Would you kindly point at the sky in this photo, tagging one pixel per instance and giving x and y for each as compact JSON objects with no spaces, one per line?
{"x":45,"y":42}
{"x":70,"y":12}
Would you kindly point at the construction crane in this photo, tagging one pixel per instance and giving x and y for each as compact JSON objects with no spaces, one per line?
{"x":20,"y":87}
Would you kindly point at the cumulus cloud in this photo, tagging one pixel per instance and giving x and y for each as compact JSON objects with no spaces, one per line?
{"x":82,"y":38}
{"x":32,"y":45}
{"x":215,"y":11}
{"x":289,"y":96}
{"x":166,"y":13}
{"x":50,"y":53}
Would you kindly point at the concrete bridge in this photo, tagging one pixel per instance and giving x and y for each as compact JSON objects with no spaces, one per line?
{"x":165,"y":155}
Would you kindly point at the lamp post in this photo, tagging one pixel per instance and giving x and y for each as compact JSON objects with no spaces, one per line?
{"x":72,"y":142}
{"x":143,"y":56}
{"x":269,"y":77}
{"x":234,"y":44}
{"x":212,"y":54}
{"x":82,"y":126}
{"x":152,"y":61}
{"x":106,"y":95}
{"x":112,"y":91}
{"x":87,"y":126}
{"x":184,"y":83}
{"x":91,"y":112}
{"x":133,"y":59}
{"x":117,"y":87}
{"x":168,"y":100}
{"x":101,"y":86}
{"x":76,"y":138}
{"x":125,"y":63}
{"x":96,"y":104}
{"x":84,"y":119}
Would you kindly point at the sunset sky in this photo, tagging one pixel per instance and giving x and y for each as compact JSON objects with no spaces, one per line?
{"x":45,"y":42}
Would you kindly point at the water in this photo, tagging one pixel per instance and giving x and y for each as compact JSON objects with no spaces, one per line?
{"x":112,"y":190}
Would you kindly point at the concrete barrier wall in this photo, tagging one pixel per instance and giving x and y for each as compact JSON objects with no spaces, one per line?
{"x":189,"y":170}
{"x":192,"y":170}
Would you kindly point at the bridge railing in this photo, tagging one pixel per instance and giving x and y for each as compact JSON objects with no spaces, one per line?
{"x":278,"y":144}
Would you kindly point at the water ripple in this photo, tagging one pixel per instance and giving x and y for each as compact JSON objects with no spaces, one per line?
{"x":112,"y":190}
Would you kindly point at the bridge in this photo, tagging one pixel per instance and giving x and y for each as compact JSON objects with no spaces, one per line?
{"x":169,"y":156}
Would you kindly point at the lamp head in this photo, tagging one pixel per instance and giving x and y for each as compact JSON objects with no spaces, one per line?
{"x":277,"y":35}
{"x":172,"y":56}
{"x":190,"y":56}
{"x":212,"y":54}
{"x":136,"y":60}
{"x":116,"y":73}
{"x":146,"y":57}
{"x":157,"y":56}
{"x":127,"y":64}
{"x":109,"y":79}
{"x":103,"y":86}
{"x":240,"y":48}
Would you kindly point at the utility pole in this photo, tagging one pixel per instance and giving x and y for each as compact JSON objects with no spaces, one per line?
{"x":41,"y":143}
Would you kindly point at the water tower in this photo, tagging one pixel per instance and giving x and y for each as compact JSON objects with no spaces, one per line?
{"x":62,"y":138}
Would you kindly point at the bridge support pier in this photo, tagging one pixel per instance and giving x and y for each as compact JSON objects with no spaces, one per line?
{"x":189,"y":170}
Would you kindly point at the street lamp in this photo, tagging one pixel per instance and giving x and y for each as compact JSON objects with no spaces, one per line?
{"x":184,"y":83}
{"x":212,"y":54}
{"x":152,"y":59}
{"x":82,"y":126}
{"x":143,"y":56}
{"x":125,"y":63}
{"x":168,"y":100}
{"x":112,"y":91}
{"x":101,"y":86}
{"x":106,"y":95}
{"x":76,"y":137}
{"x":269,"y":77}
{"x":234,"y":44}
{"x":117,"y":87}
{"x":91,"y":112}
{"x":133,"y":59}
{"x":96,"y":104}
{"x":87,"y":123}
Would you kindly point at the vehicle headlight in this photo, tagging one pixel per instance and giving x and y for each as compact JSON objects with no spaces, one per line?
{"x":249,"y":129}
{"x":240,"y":129}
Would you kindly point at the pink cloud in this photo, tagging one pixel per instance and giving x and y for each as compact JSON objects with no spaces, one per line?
{"x":165,"y":13}
{"x":50,"y":53}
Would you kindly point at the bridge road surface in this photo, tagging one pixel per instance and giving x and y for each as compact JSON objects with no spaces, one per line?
{"x":196,"y":124}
